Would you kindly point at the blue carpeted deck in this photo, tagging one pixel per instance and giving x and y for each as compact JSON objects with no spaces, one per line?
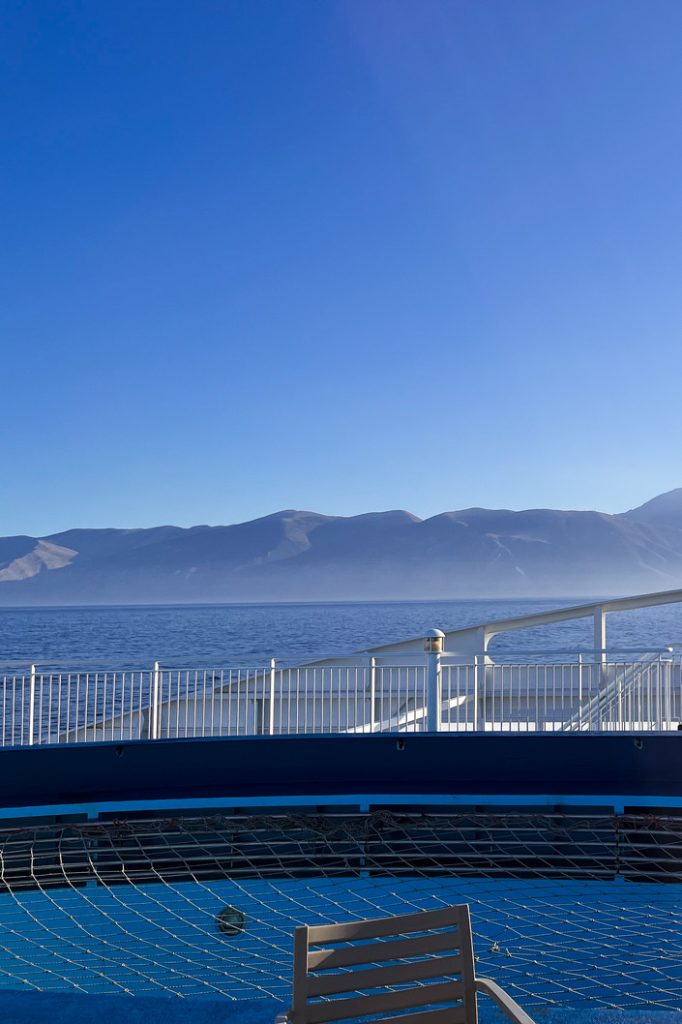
{"x":68,"y":1008}
{"x":61,"y":1008}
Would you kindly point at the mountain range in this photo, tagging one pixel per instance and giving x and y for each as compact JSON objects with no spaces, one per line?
{"x":298,"y":556}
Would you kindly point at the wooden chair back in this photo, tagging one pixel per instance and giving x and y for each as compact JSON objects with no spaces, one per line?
{"x":422,"y":963}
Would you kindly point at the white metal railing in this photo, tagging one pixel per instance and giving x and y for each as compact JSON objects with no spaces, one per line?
{"x":566,"y":697}
{"x":408,"y":693}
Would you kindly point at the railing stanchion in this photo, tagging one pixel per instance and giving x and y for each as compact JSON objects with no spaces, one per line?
{"x":619,"y":702}
{"x":155,"y":701}
{"x":271,"y":710}
{"x":580,"y":694}
{"x":477,"y":671}
{"x":372,"y":693}
{"x":31,"y":705}
{"x":668,"y":711}
{"x":433,"y":645}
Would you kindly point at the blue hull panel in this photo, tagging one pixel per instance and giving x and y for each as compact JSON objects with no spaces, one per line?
{"x":305,"y":766}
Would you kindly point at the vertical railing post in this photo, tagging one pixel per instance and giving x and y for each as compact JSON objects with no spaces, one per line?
{"x":155,"y":701}
{"x":433,"y":691}
{"x":580,"y":693}
{"x":479,"y":662}
{"x":271,"y":709}
{"x":668,"y":710}
{"x":31,"y":705}
{"x":433,"y":645}
{"x":599,"y":634}
{"x":600,"y":650}
{"x":619,"y":700}
{"x":372,"y":693}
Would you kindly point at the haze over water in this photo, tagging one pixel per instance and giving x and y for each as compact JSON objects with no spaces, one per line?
{"x":226,"y":635}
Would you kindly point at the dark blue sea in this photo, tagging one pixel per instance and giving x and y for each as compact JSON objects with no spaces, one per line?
{"x":192,"y":635}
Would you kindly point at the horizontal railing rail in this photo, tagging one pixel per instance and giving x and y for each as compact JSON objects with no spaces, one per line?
{"x":368,"y":694}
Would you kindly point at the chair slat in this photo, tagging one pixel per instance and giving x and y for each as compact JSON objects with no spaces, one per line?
{"x":375,"y":977}
{"x":378,"y":952}
{"x":450,"y":1015}
{"x":446,"y":953}
{"x":384,"y":1002}
{"x":468,"y":976}
{"x":300,"y":974}
{"x":376,"y":928}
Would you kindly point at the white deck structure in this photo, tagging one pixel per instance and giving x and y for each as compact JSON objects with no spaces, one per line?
{"x":442,"y":682}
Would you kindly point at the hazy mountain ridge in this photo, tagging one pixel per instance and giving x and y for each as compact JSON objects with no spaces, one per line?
{"x":663,"y":510}
{"x":295,"y":555}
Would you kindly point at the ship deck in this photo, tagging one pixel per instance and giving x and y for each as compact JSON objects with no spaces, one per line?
{"x":138,"y":806}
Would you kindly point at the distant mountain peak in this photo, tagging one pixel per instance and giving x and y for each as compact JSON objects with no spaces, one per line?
{"x":289,"y":514}
{"x":394,"y":515}
{"x":663,"y":510}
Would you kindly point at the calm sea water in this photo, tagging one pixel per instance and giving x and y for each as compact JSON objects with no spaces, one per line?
{"x":224,"y":635}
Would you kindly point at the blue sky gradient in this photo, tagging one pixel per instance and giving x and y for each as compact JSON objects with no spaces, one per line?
{"x":342,"y":256}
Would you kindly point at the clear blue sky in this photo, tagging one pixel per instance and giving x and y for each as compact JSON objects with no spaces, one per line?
{"x":342,"y":256}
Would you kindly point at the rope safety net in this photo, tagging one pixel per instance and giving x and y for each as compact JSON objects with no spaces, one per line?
{"x":567,"y":910}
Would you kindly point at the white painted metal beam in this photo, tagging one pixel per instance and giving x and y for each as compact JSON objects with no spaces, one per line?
{"x":475,"y":639}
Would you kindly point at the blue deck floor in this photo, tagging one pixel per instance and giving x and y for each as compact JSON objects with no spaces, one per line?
{"x":61,"y":1008}
{"x":553,"y":944}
